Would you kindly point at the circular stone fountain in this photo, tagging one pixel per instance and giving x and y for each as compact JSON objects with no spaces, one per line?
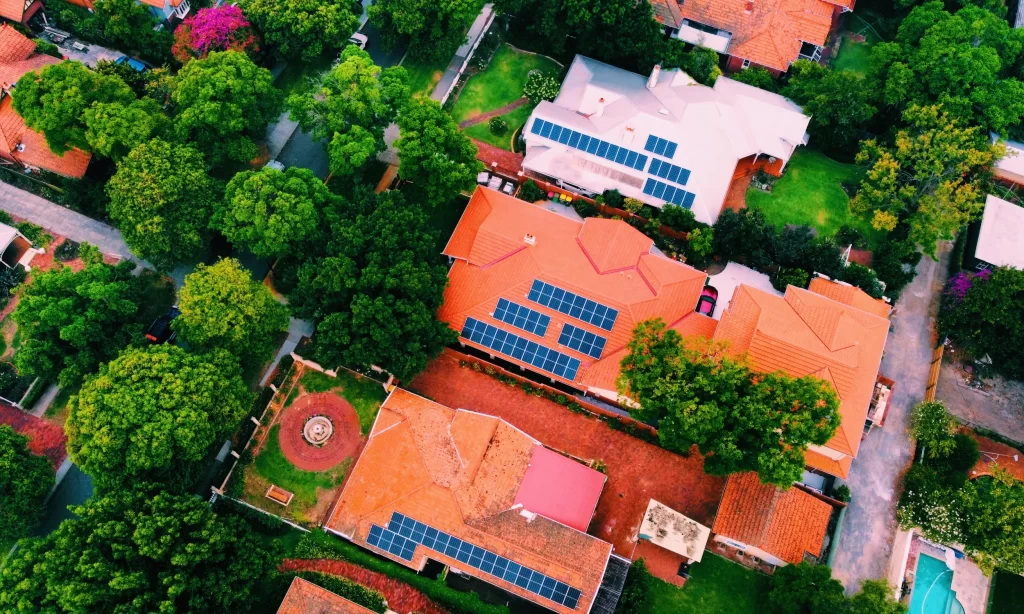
{"x":317,"y":430}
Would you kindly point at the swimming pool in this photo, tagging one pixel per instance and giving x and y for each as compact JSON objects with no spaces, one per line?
{"x":933,"y":592}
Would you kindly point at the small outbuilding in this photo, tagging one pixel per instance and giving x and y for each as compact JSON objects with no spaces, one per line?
{"x":16,"y":249}
{"x":996,"y":240}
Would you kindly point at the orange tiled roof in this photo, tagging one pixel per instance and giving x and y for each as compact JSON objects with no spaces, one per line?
{"x":784,"y":523}
{"x":14,"y":46}
{"x":304,"y":597}
{"x":805,"y":333}
{"x":459,"y":472}
{"x":607,"y":261}
{"x":15,"y":10}
{"x":770,"y":35}
{"x":850,"y":295}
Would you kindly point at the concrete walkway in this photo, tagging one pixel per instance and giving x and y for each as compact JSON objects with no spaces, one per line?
{"x":297,"y":329}
{"x":865,"y":546}
{"x":451,"y":74}
{"x":61,"y":220}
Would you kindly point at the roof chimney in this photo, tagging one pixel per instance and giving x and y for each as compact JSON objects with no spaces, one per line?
{"x":20,"y":147}
{"x":652,"y":81}
{"x":750,"y":6}
{"x":529,"y":239}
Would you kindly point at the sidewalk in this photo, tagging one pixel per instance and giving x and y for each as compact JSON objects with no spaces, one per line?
{"x":451,"y":75}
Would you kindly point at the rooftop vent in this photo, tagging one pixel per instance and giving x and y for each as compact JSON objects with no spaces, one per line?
{"x":750,"y":6}
{"x":529,"y":239}
{"x":20,"y":147}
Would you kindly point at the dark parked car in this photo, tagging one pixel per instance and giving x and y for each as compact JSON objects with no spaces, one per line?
{"x":160,"y":331}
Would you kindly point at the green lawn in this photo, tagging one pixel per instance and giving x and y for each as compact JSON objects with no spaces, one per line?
{"x":275,"y":469}
{"x":423,"y":76}
{"x":811,"y":193}
{"x":365,"y":394}
{"x":1008,"y":593}
{"x":501,"y":83}
{"x":715,"y":586}
{"x":855,"y":57}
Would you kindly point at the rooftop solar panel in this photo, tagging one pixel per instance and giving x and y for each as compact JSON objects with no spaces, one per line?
{"x":667,"y":171}
{"x":660,"y":146}
{"x":583,"y":341}
{"x":589,"y":144}
{"x":520,"y":348}
{"x":573,"y":305}
{"x":522,"y":317}
{"x":676,"y":196}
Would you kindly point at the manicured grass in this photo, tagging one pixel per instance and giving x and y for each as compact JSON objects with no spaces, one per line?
{"x":501,"y":83}
{"x":856,"y":57}
{"x":275,"y":469}
{"x":811,"y":193}
{"x":423,"y":76}
{"x":715,"y":586}
{"x":1008,"y":593}
{"x":364,"y":394}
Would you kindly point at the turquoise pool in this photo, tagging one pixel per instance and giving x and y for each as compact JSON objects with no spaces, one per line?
{"x":933,"y":592}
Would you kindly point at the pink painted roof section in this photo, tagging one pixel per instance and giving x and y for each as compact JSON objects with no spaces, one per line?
{"x":561,"y":489}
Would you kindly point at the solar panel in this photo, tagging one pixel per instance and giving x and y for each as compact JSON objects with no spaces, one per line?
{"x":573,"y":305}
{"x":589,"y":144}
{"x":667,"y":171}
{"x":660,"y":146}
{"x":670,"y":194}
{"x":520,"y":348}
{"x":522,"y":317}
{"x":583,"y":341}
{"x":470,"y":554}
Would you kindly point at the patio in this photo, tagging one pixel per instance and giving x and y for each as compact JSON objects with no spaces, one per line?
{"x":969,"y":585}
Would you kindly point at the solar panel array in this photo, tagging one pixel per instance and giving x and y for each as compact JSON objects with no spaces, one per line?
{"x":589,"y":144}
{"x":517,"y":347}
{"x":405,"y":530}
{"x":671,"y":172}
{"x":573,"y":305}
{"x":522,"y":317}
{"x":581,"y":340}
{"x":660,"y":146}
{"x":668,"y":193}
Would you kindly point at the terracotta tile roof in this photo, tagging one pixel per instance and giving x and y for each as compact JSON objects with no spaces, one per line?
{"x":607,"y":261}
{"x":460,"y":472}
{"x":995,"y":454}
{"x":850,"y":295}
{"x":14,"y":46}
{"x":770,"y":35}
{"x":784,"y":523}
{"x":805,"y":333}
{"x":14,"y":10}
{"x":304,"y":597}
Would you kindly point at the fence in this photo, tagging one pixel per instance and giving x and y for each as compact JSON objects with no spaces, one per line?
{"x":933,"y":373}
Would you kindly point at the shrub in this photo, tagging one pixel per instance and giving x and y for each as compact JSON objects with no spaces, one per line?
{"x":584,"y":208}
{"x":962,"y":457}
{"x":498,"y":126}
{"x":66,"y":251}
{"x":530,"y":192}
{"x":10,"y":279}
{"x":635,"y":591}
{"x":678,"y":218}
{"x":612,"y":198}
{"x":848,"y":235}
{"x":632,"y":205}
{"x":34,"y":393}
{"x":842,"y":493}
{"x":283,"y":367}
{"x":934,"y":429}
{"x":789,"y":277}
{"x":35,"y":234}
{"x":540,"y":87}
{"x":864,"y":278}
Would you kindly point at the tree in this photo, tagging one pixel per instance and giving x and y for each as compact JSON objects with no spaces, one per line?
{"x":71,"y":321}
{"x":989,"y":319}
{"x":128,"y":24}
{"x":837,"y":101}
{"x":929,"y":176}
{"x":745,"y":236}
{"x":272,"y":213}
{"x":223,"y":105}
{"x":700,"y":63}
{"x":738,"y":419}
{"x":376,"y":292}
{"x":540,"y":86}
{"x":136,"y":552}
{"x":435,"y":155}
{"x":862,"y":277}
{"x":805,"y":589}
{"x":25,"y":480}
{"x":221,"y":28}
{"x":303,"y":28}
{"x":933,"y":428}
{"x":635,"y":591}
{"x":434,"y":29}
{"x":113,"y":129}
{"x":161,"y":200}
{"x":151,"y":414}
{"x":53,"y":100}
{"x":758,"y":77}
{"x":222,"y":307}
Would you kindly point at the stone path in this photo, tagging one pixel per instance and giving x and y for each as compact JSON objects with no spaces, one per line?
{"x":479,"y":119}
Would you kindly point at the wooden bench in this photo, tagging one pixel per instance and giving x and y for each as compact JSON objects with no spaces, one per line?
{"x":279,"y":495}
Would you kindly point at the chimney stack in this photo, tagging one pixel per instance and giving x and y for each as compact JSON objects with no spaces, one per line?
{"x":652,"y":81}
{"x":529,"y":239}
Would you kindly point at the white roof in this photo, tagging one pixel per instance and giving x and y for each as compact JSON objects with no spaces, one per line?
{"x":733,"y":276}
{"x":1013,"y":162}
{"x":7,"y":235}
{"x":1001,"y":238}
{"x":665,"y":527}
{"x":713,"y":127}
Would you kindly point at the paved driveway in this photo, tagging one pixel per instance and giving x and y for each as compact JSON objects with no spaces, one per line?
{"x":865,"y":545}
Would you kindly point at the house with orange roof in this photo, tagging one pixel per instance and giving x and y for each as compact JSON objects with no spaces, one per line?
{"x":170,"y":11}
{"x":768,"y":33}
{"x":483,"y":498}
{"x":21,"y":146}
{"x":762,"y":523}
{"x":560,"y":296}
{"x":304,"y":597}
{"x":19,"y":11}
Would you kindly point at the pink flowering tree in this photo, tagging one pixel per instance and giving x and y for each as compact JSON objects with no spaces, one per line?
{"x":221,"y":28}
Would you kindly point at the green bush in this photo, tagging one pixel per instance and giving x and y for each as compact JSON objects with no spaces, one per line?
{"x":34,"y":393}
{"x":848,"y":235}
{"x":498,"y":126}
{"x":635,"y":591}
{"x":842,"y":493}
{"x":35,"y":234}
{"x":531,"y":192}
{"x":283,"y":367}
{"x":540,"y":86}
{"x":584,"y":209}
{"x":10,"y":279}
{"x":864,"y":278}
{"x":789,"y":277}
{"x":678,"y":218}
{"x":962,"y":457}
{"x":66,"y":251}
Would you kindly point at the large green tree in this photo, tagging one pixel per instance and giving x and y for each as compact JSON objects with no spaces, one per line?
{"x":930,"y":176}
{"x":838,"y":103}
{"x":152,"y":414}
{"x":376,"y":292}
{"x":222,"y":307}
{"x":988,"y":317}
{"x":223,"y":103}
{"x":25,"y":479}
{"x":738,"y":419}
{"x":139,"y":551}
{"x":272,"y":213}
{"x":54,"y":100}
{"x":435,"y":155}
{"x":810,"y":589}
{"x":113,"y":129}
{"x":303,"y":28}
{"x":434,"y":29}
{"x":161,"y":200}
{"x":71,"y":321}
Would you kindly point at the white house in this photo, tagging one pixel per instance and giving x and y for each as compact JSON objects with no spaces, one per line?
{"x":660,"y":139}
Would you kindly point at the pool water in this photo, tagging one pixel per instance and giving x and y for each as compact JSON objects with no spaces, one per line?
{"x":933,"y":592}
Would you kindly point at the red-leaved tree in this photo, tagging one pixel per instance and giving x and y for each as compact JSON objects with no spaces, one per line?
{"x":221,"y":28}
